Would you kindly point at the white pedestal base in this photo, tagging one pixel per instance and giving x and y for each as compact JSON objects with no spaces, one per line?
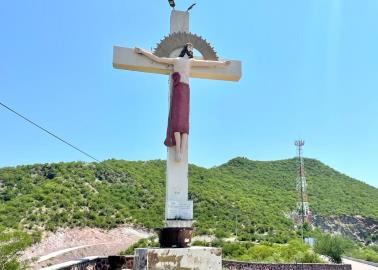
{"x":193,"y":258}
{"x":178,"y":223}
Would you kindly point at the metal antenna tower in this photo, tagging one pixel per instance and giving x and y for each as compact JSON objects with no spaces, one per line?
{"x":303,"y":209}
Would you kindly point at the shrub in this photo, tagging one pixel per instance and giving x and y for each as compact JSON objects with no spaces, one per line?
{"x":145,"y":242}
{"x":12,"y":243}
{"x":332,"y":246}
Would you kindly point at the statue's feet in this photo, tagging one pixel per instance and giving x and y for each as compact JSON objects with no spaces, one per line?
{"x":178,"y":157}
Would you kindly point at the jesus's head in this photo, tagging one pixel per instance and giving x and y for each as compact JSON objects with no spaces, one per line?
{"x":187,"y":50}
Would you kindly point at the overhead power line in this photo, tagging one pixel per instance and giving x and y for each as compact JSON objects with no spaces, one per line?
{"x":49,"y":132}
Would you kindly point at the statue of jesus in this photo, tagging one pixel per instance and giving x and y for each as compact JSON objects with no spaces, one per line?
{"x":178,"y":119}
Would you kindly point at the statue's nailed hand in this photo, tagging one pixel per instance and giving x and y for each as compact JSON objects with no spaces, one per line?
{"x":227,"y":63}
{"x":138,"y":50}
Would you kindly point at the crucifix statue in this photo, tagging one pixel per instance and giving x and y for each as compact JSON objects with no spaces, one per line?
{"x":174,"y":57}
{"x":178,"y":120}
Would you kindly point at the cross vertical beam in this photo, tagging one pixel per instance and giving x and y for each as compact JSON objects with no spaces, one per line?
{"x":177,"y":205}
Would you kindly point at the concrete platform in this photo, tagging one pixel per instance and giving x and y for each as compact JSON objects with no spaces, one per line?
{"x":193,"y":258}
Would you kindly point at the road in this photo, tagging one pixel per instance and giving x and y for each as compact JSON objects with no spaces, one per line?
{"x":359,"y":266}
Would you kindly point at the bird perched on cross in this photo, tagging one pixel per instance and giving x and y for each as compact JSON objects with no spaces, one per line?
{"x":173,"y":4}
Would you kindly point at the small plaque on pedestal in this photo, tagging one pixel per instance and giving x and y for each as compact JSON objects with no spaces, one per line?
{"x":180,"y":210}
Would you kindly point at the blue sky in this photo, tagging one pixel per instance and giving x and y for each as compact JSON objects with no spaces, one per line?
{"x":310,"y":70}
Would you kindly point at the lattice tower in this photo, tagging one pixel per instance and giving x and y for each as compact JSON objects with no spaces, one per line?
{"x":303,"y":207}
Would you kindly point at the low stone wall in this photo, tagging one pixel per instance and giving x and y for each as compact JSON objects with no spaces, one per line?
{"x":235,"y":265}
{"x":126,"y":262}
{"x":108,"y":263}
{"x":96,"y":264}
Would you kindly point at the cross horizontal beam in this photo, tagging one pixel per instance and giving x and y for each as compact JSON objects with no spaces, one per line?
{"x":126,"y":58}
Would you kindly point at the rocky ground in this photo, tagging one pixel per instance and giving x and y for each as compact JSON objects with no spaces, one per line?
{"x":356,"y":227}
{"x":69,"y":244}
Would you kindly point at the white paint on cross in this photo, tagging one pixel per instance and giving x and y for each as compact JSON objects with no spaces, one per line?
{"x":177,"y":204}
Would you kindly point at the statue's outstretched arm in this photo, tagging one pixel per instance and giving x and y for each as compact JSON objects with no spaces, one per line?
{"x":163,"y":60}
{"x":208,"y":63}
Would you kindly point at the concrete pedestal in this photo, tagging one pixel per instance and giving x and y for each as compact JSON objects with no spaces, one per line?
{"x":193,"y":258}
{"x":175,"y":237}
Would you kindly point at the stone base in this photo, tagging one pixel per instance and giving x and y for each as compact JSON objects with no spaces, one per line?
{"x":193,"y":258}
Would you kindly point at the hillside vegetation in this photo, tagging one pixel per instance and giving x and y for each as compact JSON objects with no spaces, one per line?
{"x":253,"y":198}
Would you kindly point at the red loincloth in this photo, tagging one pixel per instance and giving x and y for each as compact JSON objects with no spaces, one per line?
{"x":178,"y":118}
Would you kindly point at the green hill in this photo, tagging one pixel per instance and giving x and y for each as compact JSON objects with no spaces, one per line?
{"x":252,"y":197}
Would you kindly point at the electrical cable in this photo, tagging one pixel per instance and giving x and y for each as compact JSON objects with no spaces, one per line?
{"x":49,"y":132}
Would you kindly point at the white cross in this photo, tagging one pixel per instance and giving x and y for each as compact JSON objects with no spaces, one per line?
{"x":177,"y":204}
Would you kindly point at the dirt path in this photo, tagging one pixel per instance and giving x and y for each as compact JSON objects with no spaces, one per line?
{"x":70,"y":244}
